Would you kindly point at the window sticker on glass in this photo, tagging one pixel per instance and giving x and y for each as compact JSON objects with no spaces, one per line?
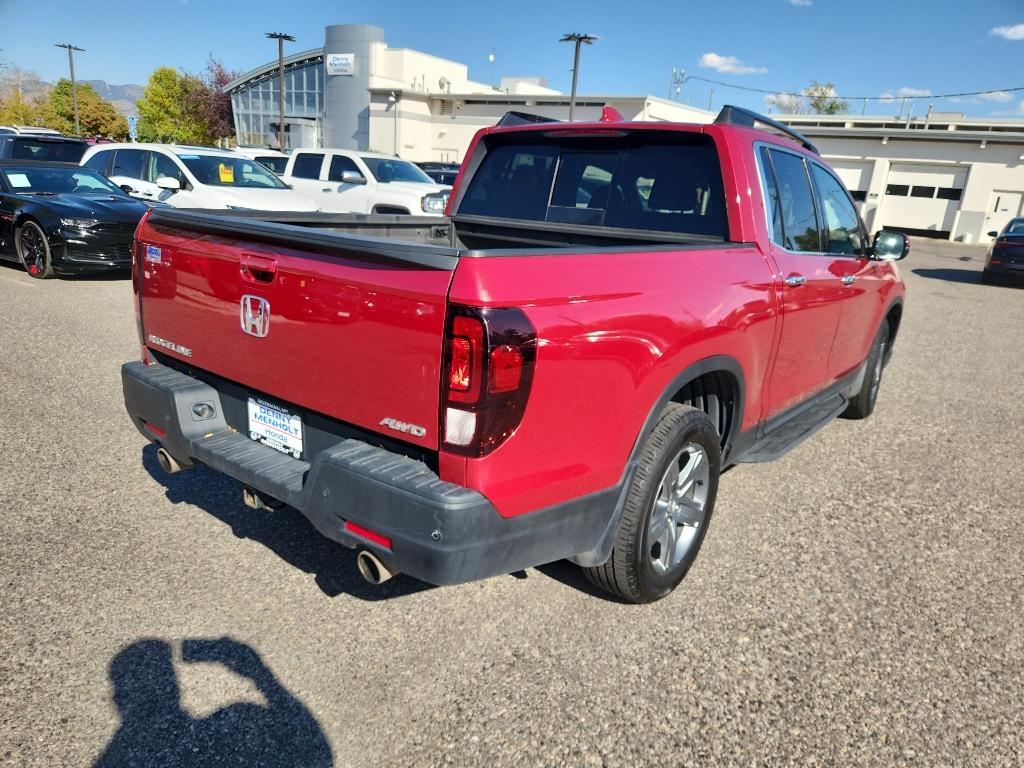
{"x":227,"y":173}
{"x":189,"y":157}
{"x":19,"y":180}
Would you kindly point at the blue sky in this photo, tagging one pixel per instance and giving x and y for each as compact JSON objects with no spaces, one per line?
{"x":872,"y":47}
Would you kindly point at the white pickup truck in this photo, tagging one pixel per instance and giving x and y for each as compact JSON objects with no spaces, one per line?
{"x":342,"y":181}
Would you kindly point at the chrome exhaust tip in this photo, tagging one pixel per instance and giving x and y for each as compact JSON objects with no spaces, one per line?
{"x":372,"y":569}
{"x":167,"y":462}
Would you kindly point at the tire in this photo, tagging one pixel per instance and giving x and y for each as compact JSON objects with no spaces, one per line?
{"x":863,"y":403}
{"x":661,"y":512}
{"x":34,"y":250}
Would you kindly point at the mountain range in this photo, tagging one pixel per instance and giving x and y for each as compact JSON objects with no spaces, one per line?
{"x":123,"y":97}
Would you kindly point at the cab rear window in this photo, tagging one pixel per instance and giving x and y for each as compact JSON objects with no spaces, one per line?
{"x":644,"y":181}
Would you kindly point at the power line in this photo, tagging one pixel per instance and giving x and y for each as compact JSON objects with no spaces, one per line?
{"x":893,"y":97}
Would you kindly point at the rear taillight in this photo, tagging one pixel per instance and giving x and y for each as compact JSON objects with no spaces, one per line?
{"x":488,"y":363}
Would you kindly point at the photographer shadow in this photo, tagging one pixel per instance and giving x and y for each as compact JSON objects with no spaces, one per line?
{"x":285,"y":531}
{"x":156,"y":731}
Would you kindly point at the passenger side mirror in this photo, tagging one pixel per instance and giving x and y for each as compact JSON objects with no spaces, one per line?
{"x":890,"y":246}
{"x":993,"y":233}
{"x":168,"y":182}
{"x":352,"y":177}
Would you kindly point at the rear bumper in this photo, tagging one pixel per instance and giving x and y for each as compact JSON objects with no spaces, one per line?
{"x":440,"y":533}
{"x":1006,"y":269}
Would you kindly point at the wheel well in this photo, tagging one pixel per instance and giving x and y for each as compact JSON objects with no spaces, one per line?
{"x":894,"y":316}
{"x":390,"y":209}
{"x":717,"y":393}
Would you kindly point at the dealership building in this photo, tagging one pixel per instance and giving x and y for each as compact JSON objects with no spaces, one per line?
{"x":943,"y":175}
{"x":356,"y":92}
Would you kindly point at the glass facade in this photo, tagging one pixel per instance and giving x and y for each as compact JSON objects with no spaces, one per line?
{"x":256,"y":107}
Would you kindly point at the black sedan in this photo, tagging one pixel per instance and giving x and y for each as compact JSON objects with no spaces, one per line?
{"x":59,"y":218}
{"x":1006,"y":254}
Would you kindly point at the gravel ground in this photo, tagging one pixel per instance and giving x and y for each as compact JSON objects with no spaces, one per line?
{"x":858,"y":602}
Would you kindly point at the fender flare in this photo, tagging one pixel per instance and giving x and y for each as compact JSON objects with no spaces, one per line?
{"x":602,"y":551}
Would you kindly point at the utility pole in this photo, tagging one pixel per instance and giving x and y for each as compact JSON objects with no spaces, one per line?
{"x":579,"y":39}
{"x":280,"y":37}
{"x":74,"y":89}
{"x":711,"y":98}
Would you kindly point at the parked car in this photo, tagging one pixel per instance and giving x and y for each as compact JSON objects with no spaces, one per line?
{"x":343,"y":181}
{"x":613,"y":314}
{"x":29,"y":129}
{"x":271,"y":158}
{"x":41,"y":146}
{"x":194,"y":177}
{"x":442,"y":173}
{"x":1005,"y":259}
{"x":60,"y":218}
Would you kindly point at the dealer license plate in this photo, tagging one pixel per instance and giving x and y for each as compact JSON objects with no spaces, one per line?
{"x":275,"y":426}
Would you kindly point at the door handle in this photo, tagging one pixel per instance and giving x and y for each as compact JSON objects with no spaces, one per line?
{"x":794,"y":280}
{"x":258,"y":269}
{"x":849,"y":279}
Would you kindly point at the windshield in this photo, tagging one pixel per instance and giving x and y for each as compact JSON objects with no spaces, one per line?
{"x":385,"y":169}
{"x":276,"y":164}
{"x":49,"y":180}
{"x":227,"y":171}
{"x":62,"y":150}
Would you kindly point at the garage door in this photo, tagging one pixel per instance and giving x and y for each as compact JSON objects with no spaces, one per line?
{"x":855,"y":175}
{"x":922,"y":199}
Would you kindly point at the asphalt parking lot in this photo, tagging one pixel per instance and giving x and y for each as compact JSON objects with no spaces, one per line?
{"x":860,"y":602}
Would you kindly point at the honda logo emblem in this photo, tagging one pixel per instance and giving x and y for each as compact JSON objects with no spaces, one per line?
{"x":255,"y":316}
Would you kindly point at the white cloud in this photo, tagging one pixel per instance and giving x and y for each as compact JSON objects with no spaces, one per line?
{"x":1014,"y":32}
{"x":801,"y":3}
{"x":1000,"y":96}
{"x":904,"y":93}
{"x":728,"y":64}
{"x":1010,"y":112}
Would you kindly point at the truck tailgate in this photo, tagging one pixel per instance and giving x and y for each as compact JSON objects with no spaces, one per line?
{"x":348,"y":327}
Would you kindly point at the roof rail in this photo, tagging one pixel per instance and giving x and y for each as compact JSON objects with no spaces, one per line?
{"x":523,"y":118}
{"x":732,"y":115}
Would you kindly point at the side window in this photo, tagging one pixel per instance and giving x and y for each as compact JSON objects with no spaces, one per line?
{"x":841,"y":225}
{"x":99,"y":162}
{"x":773,"y":201}
{"x":160,"y":165}
{"x":796,"y":203}
{"x":307,"y":165}
{"x":129,"y":162}
{"x":340,"y":164}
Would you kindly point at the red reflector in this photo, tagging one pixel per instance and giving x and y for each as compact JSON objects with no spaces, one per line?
{"x":367,"y":534}
{"x":995,"y":261}
{"x":461,"y":356}
{"x":156,"y":430}
{"x":506,"y":369}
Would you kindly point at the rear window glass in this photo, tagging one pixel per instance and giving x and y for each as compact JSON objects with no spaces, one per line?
{"x":647,"y":182}
{"x":48,"y":149}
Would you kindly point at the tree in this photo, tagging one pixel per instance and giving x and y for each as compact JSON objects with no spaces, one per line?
{"x":186,"y":108}
{"x":15,"y":109}
{"x":821,"y":97}
{"x":817,"y":98}
{"x":96,"y":115}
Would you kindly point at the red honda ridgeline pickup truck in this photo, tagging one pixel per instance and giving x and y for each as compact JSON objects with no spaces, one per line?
{"x":611,"y":314}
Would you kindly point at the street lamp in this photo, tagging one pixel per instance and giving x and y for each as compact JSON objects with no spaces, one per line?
{"x":74,"y":91}
{"x":393,"y":101}
{"x":280,"y":37}
{"x":579,"y":39}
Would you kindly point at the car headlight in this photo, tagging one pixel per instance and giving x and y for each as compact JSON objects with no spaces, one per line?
{"x":435,"y":202}
{"x":79,"y":223}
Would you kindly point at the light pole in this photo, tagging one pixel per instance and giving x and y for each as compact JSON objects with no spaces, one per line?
{"x":579,"y":39}
{"x":280,"y":37}
{"x":393,"y":101}
{"x":74,"y":90}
